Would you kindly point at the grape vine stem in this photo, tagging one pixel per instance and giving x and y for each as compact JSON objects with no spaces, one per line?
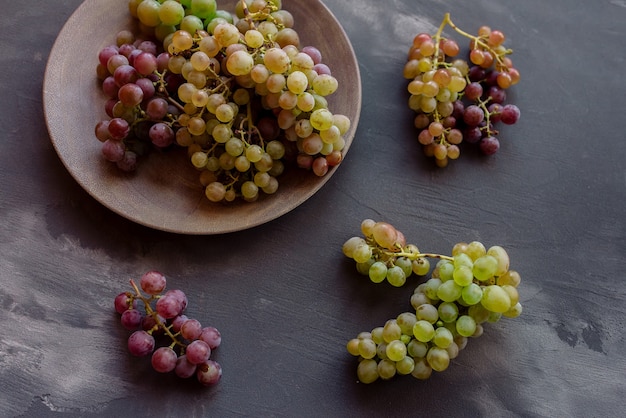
{"x":154,"y":315}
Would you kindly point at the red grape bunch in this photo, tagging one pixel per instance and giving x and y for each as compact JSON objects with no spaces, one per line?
{"x":239,"y":92}
{"x":460,"y":100}
{"x":185,"y":346}
{"x":467,"y":289}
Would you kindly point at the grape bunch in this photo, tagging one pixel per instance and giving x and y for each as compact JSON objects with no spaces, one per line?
{"x":471,"y":287}
{"x":239,"y":92}
{"x":460,"y":100}
{"x":186,"y":345}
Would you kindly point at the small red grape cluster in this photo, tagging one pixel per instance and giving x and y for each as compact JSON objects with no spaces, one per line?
{"x":458,"y":100}
{"x":187,"y":344}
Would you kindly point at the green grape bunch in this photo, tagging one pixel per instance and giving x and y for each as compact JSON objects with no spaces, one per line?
{"x":472,"y":286}
{"x":238,"y":91}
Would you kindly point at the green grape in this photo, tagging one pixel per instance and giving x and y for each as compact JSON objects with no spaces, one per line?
{"x":191,"y":24}
{"x":395,"y":276}
{"x":417,"y":349}
{"x":297,"y":82}
{"x":391,"y":331}
{"x":512,"y":292}
{"x":321,"y":119}
{"x":204,"y":9}
{"x":249,"y":190}
{"x":485,"y":267}
{"x":362,"y":253}
{"x":148,"y":13}
{"x":495,"y":299}
{"x":431,"y":287}
{"x":475,"y":250}
{"x":501,"y":255}
{"x":364,"y":268}
{"x":472,"y":294}
{"x":367,"y":226}
{"x":445,"y":269}
{"x":405,"y":366}
{"x":240,"y":63}
{"x":324,"y":84}
{"x":378,"y":272}
{"x":171,"y":13}
{"x":405,"y":264}
{"x":449,"y":291}
{"x":350,"y":245}
{"x":448,"y":311}
{"x":443,"y":337}
{"x":465,"y":325}
{"x":353,"y":347}
{"x":396,"y":350}
{"x":438,"y":359}
{"x":427,"y":312}
{"x":421,"y":370}
{"x":254,"y":38}
{"x":367,"y":371}
{"x":377,"y":335}
{"x":367,"y":348}
{"x":421,"y":266}
{"x":406,"y":320}
{"x":418,"y":299}
{"x":381,"y":350}
{"x":459,"y":248}
{"x":386,"y":369}
{"x":461,"y":341}
{"x":234,"y":146}
{"x":479,"y":313}
{"x":423,"y":331}
{"x":514,"y":312}
{"x":462,"y":259}
{"x":453,"y":350}
{"x":494,"y":317}
{"x":463,"y":275}
{"x":511,"y":277}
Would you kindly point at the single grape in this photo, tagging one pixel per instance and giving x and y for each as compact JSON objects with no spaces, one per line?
{"x":367,"y":371}
{"x":131,"y":319}
{"x":183,"y":368}
{"x":152,"y":282}
{"x":140,"y":343}
{"x":211,"y":336}
{"x":209,"y":372}
{"x":123,"y":302}
{"x":164,"y":359}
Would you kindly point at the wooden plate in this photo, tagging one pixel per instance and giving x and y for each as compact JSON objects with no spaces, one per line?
{"x":165,"y":193}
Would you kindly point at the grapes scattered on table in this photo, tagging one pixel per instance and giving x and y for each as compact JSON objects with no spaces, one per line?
{"x":460,"y":100}
{"x":239,"y":92}
{"x":466,"y":290}
{"x":185,"y":346}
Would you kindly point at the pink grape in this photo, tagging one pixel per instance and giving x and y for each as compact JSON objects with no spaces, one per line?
{"x":152,"y":282}
{"x":209,"y":373}
{"x":198,"y":352}
{"x":113,"y":150}
{"x":131,"y":319}
{"x":140,"y":343}
{"x":164,"y":359}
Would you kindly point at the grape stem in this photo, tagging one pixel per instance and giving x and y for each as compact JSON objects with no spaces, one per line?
{"x":155,"y":316}
{"x":478,"y":41}
{"x":415,"y":256}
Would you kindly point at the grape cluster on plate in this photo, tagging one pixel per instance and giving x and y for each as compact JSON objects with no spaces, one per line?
{"x":471,"y":287}
{"x":459,"y":100}
{"x":238,"y":92}
{"x":186,"y":345}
